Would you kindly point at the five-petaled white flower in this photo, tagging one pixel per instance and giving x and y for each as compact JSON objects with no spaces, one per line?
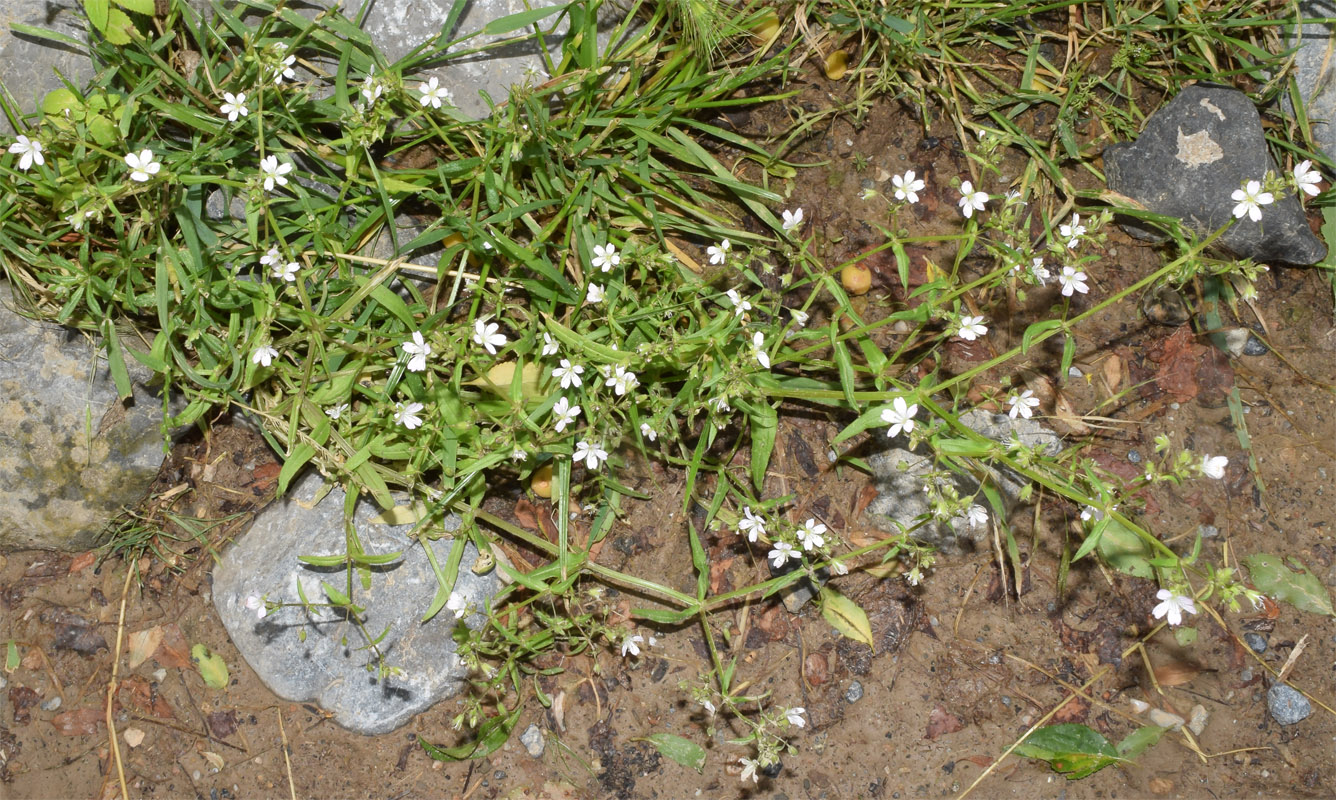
{"x":271,"y":258}
{"x":234,"y":105}
{"x":812,"y":535}
{"x":749,"y":767}
{"x":1172,"y":606}
{"x":287,"y":272}
{"x":970,"y":200}
{"x":907,"y":187}
{"x":758,"y":345}
{"x":1250,"y":200}
{"x":648,"y":432}
{"x":751,"y":524}
{"x":741,"y":305}
{"x":1038,"y":270}
{"x":622,"y":380}
{"x":1073,"y":232}
{"x":971,"y":328}
{"x":142,"y":166}
{"x":595,"y":294}
{"x":1307,"y":178}
{"x":1214,"y":466}
{"x":592,"y":453}
{"x":1022,"y":404}
{"x":631,"y":645}
{"x":782,"y":552}
{"x":795,"y":715}
{"x":605,"y":257}
{"x":334,"y":412}
{"x":1072,"y":280}
{"x":264,"y":355}
{"x":564,"y":413}
{"x":792,"y":219}
{"x":976,"y":515}
{"x":488,"y":335}
{"x":258,"y":605}
{"x":456,"y":604}
{"x":29,"y":151}
{"x":371,"y":88}
{"x":407,"y":414}
{"x":568,"y":373}
{"x":718,"y":252}
{"x":433,"y":93}
{"x":549,"y":345}
{"x":900,"y":416}
{"x":283,"y":69}
{"x":418,"y":349}
{"x":273,"y":172}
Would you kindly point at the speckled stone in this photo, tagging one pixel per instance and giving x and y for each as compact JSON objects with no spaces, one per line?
{"x":1287,"y":706}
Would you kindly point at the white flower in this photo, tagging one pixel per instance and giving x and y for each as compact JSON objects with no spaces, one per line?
{"x":284,"y":69}
{"x":1022,"y":404}
{"x":234,"y":105}
{"x":971,"y":328}
{"x":976,"y":515}
{"x":792,"y":219}
{"x":287,"y":272}
{"x":605,"y":257}
{"x":264,"y":355}
{"x":708,"y":706}
{"x":595,"y":294}
{"x":271,"y":258}
{"x":142,"y":166}
{"x":970,"y":200}
{"x":718,"y":252}
{"x":800,"y":318}
{"x":419,"y":350}
{"x":1214,"y":466}
{"x":1250,"y":200}
{"x":631,"y":645}
{"x":914,"y":576}
{"x":256,"y":603}
{"x":1091,"y":513}
{"x":740,"y":304}
{"x":758,"y":344}
{"x":1015,"y":197}
{"x":811,"y":534}
{"x":564,"y":413}
{"x":407,"y":415}
{"x":487,"y":334}
{"x":839,"y":568}
{"x":1072,"y":280}
{"x":719,"y":404}
{"x":568,"y":373}
{"x":782,"y":552}
{"x":456,"y":604}
{"x":907,"y":187}
{"x":30,"y":152}
{"x":371,"y":88}
{"x":795,"y":715}
{"x":622,"y":380}
{"x":648,"y":432}
{"x":433,"y":93}
{"x":900,"y":416}
{"x":1038,"y":271}
{"x":1073,"y":232}
{"x":1305,"y":177}
{"x":334,"y":412}
{"x":273,"y":172}
{"x":549,"y":345}
{"x":751,"y":524}
{"x":592,"y":453}
{"x":519,"y":455}
{"x":749,"y":766}
{"x":1172,"y":606}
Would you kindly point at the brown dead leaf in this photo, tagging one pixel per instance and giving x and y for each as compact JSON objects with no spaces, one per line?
{"x":136,"y":692}
{"x":78,"y":722}
{"x":216,"y":761}
{"x":1074,"y":710}
{"x":980,"y":761}
{"x":1176,"y":673}
{"x":816,"y":668}
{"x":1178,"y":359}
{"x":526,"y":513}
{"x":1066,"y":415}
{"x":862,"y":500}
{"x":144,"y":644}
{"x":719,"y":574}
{"x":1111,"y":370}
{"x":942,"y":722}
{"x":22,"y":699}
{"x":82,"y":561}
{"x":222,"y":724}
{"x":174,"y":651}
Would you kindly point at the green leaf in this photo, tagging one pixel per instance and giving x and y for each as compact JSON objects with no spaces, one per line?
{"x":764,"y":425}
{"x":683,"y":751}
{"x":523,"y":19}
{"x":491,"y":735}
{"x":1036,"y":331}
{"x":1185,"y":635}
{"x":11,"y":655}
{"x":144,"y":7}
{"x":119,"y":27}
{"x":335,"y":596}
{"x":1073,"y":750}
{"x":1139,"y":740}
{"x":662,"y":616}
{"x":1291,"y":582}
{"x":846,"y":616}
{"x":212,"y":668}
{"x":1123,"y":550}
{"x":301,"y":454}
{"x":97,"y":11}
{"x":116,"y":360}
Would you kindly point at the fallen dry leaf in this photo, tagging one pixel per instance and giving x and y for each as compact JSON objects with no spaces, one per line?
{"x":133,"y":736}
{"x":942,"y":722}
{"x":174,"y":652}
{"x":1178,"y":359}
{"x":222,"y":724}
{"x":1111,"y":370}
{"x":144,"y":644}
{"x":82,"y":561}
{"x":22,"y":699}
{"x":1176,"y":673}
{"x":980,"y":761}
{"x":78,"y":722}
{"x":1074,"y":710}
{"x":216,"y":761}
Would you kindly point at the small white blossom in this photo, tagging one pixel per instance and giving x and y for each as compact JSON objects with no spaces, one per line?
{"x":256,"y":603}
{"x":648,"y":432}
{"x":271,"y":258}
{"x":286,"y":272}
{"x":708,"y":706}
{"x":751,"y":524}
{"x":839,"y":568}
{"x":1172,"y":606}
{"x":272,"y":172}
{"x":334,"y":412}
{"x":631,"y":645}
{"x":264,"y":355}
{"x":1039,"y":272}
{"x":782,"y":552}
{"x":1073,"y":232}
{"x":758,"y":345}
{"x":1022,"y":404}
{"x":793,"y":219}
{"x":549,"y":345}
{"x":971,"y":328}
{"x":914,"y":577}
{"x":605,"y":257}
{"x":1090,"y":513}
{"x":740,"y":304}
{"x":812,"y":535}
{"x":142,"y":166}
{"x":456,"y":604}
{"x":564,"y":414}
{"x":371,"y":88}
{"x":970,"y":200}
{"x":519,"y":455}
{"x":407,"y":414}
{"x":1250,"y":200}
{"x":976,"y":515}
{"x":488,"y":335}
{"x":1306,"y":178}
{"x":800,"y":318}
{"x":595,"y":294}
{"x":1072,"y":280}
{"x":568,"y":373}
{"x":1214,"y":466}
{"x":30,"y":152}
{"x":234,"y":105}
{"x":794,"y":716}
{"x":622,"y":380}
{"x":900,"y":416}
{"x":418,"y":349}
{"x":719,"y":404}
{"x":433,"y":93}
{"x":749,"y":767}
{"x":718,"y":252}
{"x":592,"y":453}
{"x":907,"y":187}
{"x":284,"y":69}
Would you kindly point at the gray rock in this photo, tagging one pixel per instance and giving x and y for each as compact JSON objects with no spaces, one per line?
{"x":1193,"y":154}
{"x":900,"y":476}
{"x":1255,"y":642}
{"x":1165,"y":720}
{"x":28,"y":65}
{"x":534,"y":741}
{"x":1315,"y":73}
{"x":854,"y":693}
{"x":72,"y":455}
{"x":329,"y":666}
{"x":1287,"y":705}
{"x":1198,"y":719}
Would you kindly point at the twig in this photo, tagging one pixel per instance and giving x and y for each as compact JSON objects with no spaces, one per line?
{"x":1294,"y":657}
{"x":287,"y":760}
{"x":111,"y":685}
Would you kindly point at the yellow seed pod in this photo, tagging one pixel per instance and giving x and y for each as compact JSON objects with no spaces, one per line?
{"x":541,"y":482}
{"x":856,"y":279}
{"x":837,"y":63}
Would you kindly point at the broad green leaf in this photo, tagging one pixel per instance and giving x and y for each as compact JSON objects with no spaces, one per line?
{"x":301,"y":454}
{"x":335,"y":596}
{"x":764,"y":425}
{"x":1123,"y":550}
{"x":683,"y":751}
{"x":119,"y":27}
{"x":500,"y":377}
{"x":144,"y":7}
{"x":491,"y":735}
{"x":212,"y":668}
{"x":402,"y":515}
{"x":97,"y":11}
{"x":1293,"y":583}
{"x":1073,"y":750}
{"x":1139,"y":740}
{"x":868,"y":419}
{"x":58,"y":101}
{"x":116,"y":360}
{"x":846,"y":616}
{"x":323,"y":561}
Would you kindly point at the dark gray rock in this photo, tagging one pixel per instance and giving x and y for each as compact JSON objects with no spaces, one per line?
{"x":72,"y":455}
{"x":1193,"y":154}
{"x":329,"y":666}
{"x":1287,"y":706}
{"x":1255,"y":642}
{"x":1315,"y":73}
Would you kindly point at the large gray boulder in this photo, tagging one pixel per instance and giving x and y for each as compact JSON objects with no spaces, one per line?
{"x":1315,"y":72}
{"x":329,"y":664}
{"x":72,"y":454}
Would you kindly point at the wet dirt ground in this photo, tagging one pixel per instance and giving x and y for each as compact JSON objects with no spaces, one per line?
{"x":962,"y":668}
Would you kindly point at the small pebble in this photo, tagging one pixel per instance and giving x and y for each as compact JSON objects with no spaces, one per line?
{"x":1208,"y":531}
{"x":1246,"y":675}
{"x":854,"y":693}
{"x":1197,"y":719}
{"x":51,"y":704}
{"x":1166,"y":720}
{"x":1254,"y":347}
{"x":1255,"y":641}
{"x":534,"y":741}
{"x":1287,"y":705}
{"x":772,"y":770}
{"x":1134,"y":456}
